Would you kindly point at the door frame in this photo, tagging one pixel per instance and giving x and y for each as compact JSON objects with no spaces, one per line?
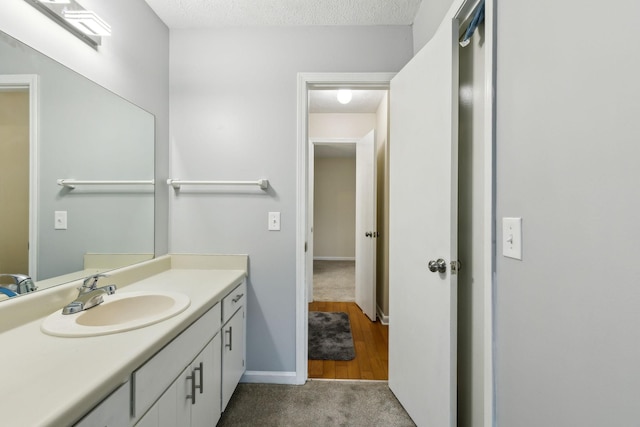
{"x":306,"y":82}
{"x":311,"y":199}
{"x":30,"y":83}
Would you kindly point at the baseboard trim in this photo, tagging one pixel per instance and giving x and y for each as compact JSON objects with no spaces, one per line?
{"x":334,"y":258}
{"x":269,"y":377}
{"x":384,"y":319}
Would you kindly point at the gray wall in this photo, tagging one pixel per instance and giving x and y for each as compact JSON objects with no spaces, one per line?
{"x":334,"y":208}
{"x":133,"y":63}
{"x":233,"y":116}
{"x":568,"y":138}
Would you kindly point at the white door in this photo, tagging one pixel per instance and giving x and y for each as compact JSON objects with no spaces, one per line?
{"x":423,"y":228}
{"x":366,"y":225}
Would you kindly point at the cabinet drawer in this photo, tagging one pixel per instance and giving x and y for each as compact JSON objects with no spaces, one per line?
{"x":232,"y":302}
{"x":155,"y":376}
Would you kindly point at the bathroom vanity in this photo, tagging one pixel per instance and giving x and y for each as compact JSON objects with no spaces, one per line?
{"x":179,"y":371}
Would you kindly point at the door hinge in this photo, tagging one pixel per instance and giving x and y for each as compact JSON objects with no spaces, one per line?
{"x":455,"y":267}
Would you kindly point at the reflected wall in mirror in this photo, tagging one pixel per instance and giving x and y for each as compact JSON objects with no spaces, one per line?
{"x":64,"y":126}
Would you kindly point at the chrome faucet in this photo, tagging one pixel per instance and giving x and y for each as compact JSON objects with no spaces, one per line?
{"x":22,"y":284}
{"x":90,"y":295}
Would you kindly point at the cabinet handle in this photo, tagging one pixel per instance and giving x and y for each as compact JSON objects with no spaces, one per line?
{"x":195,"y":386}
{"x":230,"y":332}
{"x":192,"y":396}
{"x":237,"y":298}
{"x":200,"y":369}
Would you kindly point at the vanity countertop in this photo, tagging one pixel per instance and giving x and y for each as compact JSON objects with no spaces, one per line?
{"x":54,"y":381}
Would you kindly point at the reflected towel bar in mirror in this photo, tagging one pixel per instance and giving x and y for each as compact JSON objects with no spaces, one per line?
{"x":71,"y":183}
{"x":175,"y":183}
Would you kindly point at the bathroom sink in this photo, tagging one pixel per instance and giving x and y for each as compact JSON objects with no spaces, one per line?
{"x":119,"y":312}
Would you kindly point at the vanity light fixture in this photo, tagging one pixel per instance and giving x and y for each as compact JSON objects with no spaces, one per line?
{"x":87,"y":22}
{"x":344,"y":96}
{"x":69,"y":14}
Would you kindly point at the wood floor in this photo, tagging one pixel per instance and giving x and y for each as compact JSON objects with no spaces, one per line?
{"x":371,"y":343}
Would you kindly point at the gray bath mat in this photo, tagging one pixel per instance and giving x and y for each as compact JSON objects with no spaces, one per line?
{"x":330,"y":336}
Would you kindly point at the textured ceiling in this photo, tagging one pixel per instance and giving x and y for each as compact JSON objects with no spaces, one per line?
{"x":216,"y":13}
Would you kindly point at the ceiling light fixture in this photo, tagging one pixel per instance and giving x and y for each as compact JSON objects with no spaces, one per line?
{"x":87,"y":22}
{"x":344,"y":96}
{"x":56,"y":1}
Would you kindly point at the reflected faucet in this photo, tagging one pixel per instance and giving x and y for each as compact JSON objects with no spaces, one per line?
{"x":22,"y":284}
{"x":90,"y":295}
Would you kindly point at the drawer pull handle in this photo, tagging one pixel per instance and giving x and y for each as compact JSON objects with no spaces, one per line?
{"x":192,"y":396}
{"x":230,"y":332}
{"x":195,"y":386}
{"x":200,"y":369}
{"x":238,"y":297}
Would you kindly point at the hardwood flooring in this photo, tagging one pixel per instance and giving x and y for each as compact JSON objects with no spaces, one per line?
{"x":371,"y":341}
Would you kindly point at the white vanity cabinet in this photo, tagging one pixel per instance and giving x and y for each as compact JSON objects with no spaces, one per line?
{"x":193,"y":399}
{"x":190,"y":381}
{"x":111,"y":412}
{"x":177,"y":366}
{"x":233,"y":341}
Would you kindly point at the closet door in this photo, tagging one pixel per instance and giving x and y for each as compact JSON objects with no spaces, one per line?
{"x":423,"y":231}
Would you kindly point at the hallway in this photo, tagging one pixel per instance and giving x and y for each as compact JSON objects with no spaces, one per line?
{"x":371,"y":344}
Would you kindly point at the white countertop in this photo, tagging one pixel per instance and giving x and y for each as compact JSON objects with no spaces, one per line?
{"x":54,"y":381}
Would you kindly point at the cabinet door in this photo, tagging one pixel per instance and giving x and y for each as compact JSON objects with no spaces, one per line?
{"x":206,"y":367}
{"x":233,"y":350}
{"x":158,"y":373}
{"x":111,"y":412}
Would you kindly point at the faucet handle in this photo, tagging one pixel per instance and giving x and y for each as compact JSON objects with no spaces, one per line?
{"x":90,"y":282}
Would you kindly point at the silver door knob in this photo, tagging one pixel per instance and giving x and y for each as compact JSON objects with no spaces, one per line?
{"x":440,"y":266}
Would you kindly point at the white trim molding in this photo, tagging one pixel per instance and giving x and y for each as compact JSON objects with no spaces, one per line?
{"x":384,"y":318}
{"x":489,"y":213}
{"x":334,"y":258}
{"x":269,"y":377}
{"x":308,"y":81}
{"x":30,"y":82}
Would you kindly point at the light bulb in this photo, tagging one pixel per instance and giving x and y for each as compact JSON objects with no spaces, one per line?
{"x":344,"y":96}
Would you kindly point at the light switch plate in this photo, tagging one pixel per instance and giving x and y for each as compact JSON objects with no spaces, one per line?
{"x":512,"y":237}
{"x":60,"y":220}
{"x":274,"y":221}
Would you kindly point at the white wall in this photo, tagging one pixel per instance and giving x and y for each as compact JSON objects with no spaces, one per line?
{"x":233,"y":116}
{"x":340,"y":125}
{"x":427,"y":20}
{"x":133,"y":63}
{"x":567,"y":162}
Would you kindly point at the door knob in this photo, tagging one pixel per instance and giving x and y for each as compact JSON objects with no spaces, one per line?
{"x":440,"y":266}
{"x":368,"y":234}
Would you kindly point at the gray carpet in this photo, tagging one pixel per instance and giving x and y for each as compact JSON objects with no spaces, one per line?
{"x":334,"y":280}
{"x":317,"y":404}
{"x":330,"y":336}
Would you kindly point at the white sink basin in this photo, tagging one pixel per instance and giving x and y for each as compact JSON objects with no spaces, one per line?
{"x":122,"y":311}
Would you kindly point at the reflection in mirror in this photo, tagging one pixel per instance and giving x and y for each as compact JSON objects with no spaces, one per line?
{"x":56,"y":124}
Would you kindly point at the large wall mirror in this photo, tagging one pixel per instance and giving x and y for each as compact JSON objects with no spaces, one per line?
{"x":57,"y":125}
